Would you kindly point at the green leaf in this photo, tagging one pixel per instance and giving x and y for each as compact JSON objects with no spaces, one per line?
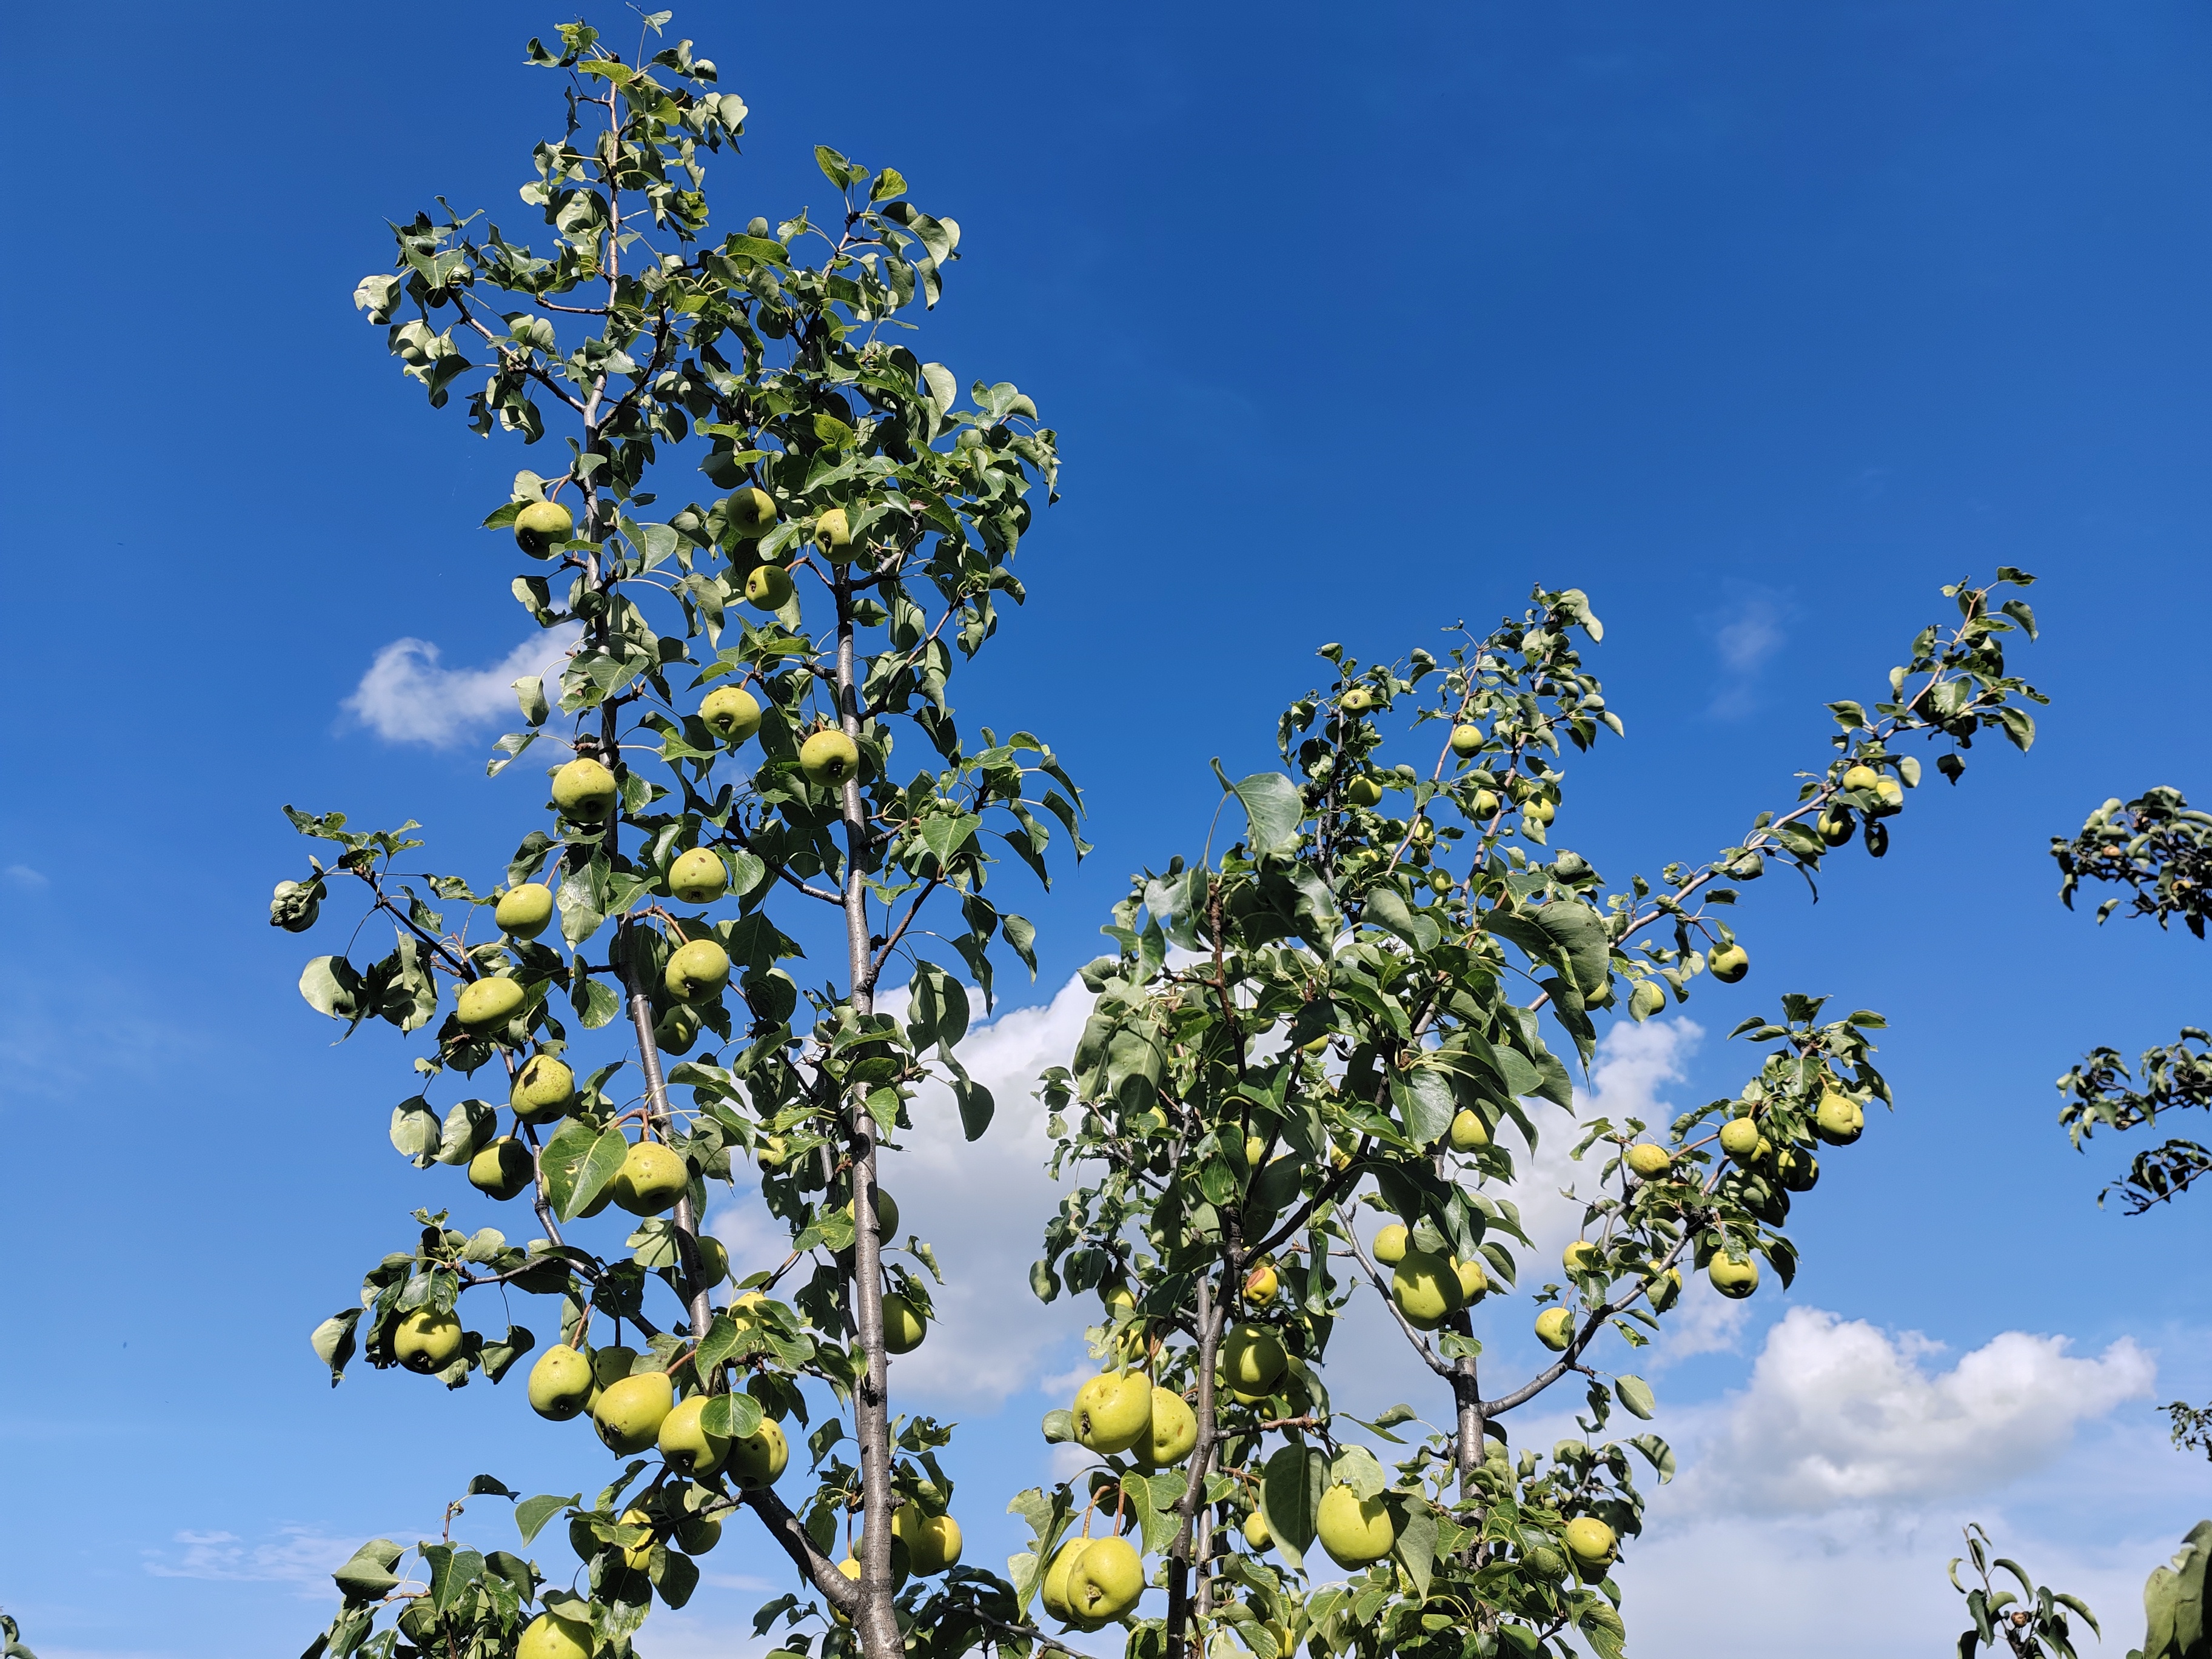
{"x":1635,"y":1393}
{"x":368,"y":1572}
{"x":675,"y":1575}
{"x":332,"y":1341}
{"x":1425,"y":1103}
{"x":1416,"y":1545}
{"x":1273,"y":811}
{"x":332,"y":987}
{"x":595,"y":1170}
{"x":531,"y":1514}
{"x":1356,"y":1467}
{"x":1291,"y":1489}
{"x":1579,"y":931}
{"x":737,"y":1415}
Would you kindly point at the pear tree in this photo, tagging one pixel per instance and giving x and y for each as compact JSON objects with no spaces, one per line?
{"x":1318,"y":1062}
{"x":776,"y":534}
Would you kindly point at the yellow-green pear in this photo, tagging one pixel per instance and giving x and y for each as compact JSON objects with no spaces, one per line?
{"x":1474,"y":1283}
{"x":1891,"y":794}
{"x":833,"y":535}
{"x":1861,"y":777}
{"x":549,"y":1636}
{"x":1798,"y":1170}
{"x":629,"y":1413}
{"x":542,"y":1090}
{"x":1539,"y":810}
{"x":903,"y":1325}
{"x":828,"y":757}
{"x":1106,"y":1581}
{"x":585,"y":790}
{"x":686,"y":1443}
{"x":1555,"y":1328}
{"x":677,"y":1030}
{"x":502,"y":1169}
{"x":760,"y":1458}
{"x":1253,"y":1359}
{"x":523,"y":912}
{"x":1589,"y":1540}
{"x":1261,"y":1283}
{"x":1469,"y":1133}
{"x":887,"y":1215}
{"x":1486,"y":802}
{"x":932,"y":1542}
{"x":1173,"y":1429}
{"x":1731,"y":1279}
{"x":1363,"y":791}
{"x":542,"y":525}
{"x":485,"y":1004}
{"x":698,"y":876}
{"x":1650,"y":1161}
{"x":638,"y":1556}
{"x":652,"y":1178}
{"x":768,"y":587}
{"x":1255,"y":1148}
{"x":751,"y":513}
{"x":425,"y":1340}
{"x":1256,"y":1531}
{"x":1665,"y":1289}
{"x":1389,"y":1245}
{"x":1839,"y":1119}
{"x":1354,"y":1530}
{"x":1466,"y":740}
{"x":1114,"y":1411}
{"x":1544,"y":1563}
{"x":697,"y":1534}
{"x":1057,"y":1570}
{"x":1646,"y":1000}
{"x":696,"y":971}
{"x":731,"y":712}
{"x":609,"y":1366}
{"x":713,"y":1258}
{"x":770,"y":1150}
{"x":1740,"y":1138}
{"x":1425,"y":1289}
{"x":1357,"y":701}
{"x":560,"y":1384}
{"x":1729,"y":964}
{"x":1835,"y":825}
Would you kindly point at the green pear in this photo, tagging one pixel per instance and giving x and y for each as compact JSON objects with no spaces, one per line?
{"x":1729,"y":964}
{"x":485,"y":1004}
{"x":1261,"y":1283}
{"x":543,"y":526}
{"x":833,"y":535}
{"x":1650,"y":1161}
{"x":1486,"y":803}
{"x":426,"y":1341}
{"x":1252,"y":1359}
{"x":903,"y":1325}
{"x":768,"y":587}
{"x":770,"y":1150}
{"x":652,"y":1178}
{"x":1466,"y":740}
{"x":549,"y":1636}
{"x":696,"y":971}
{"x":523,"y":912}
{"x":1839,"y":1119}
{"x":686,"y":1443}
{"x":1861,"y":777}
{"x":1539,"y":810}
{"x":1255,"y":1148}
{"x":1174,"y":1431}
{"x":828,"y":757}
{"x":628,"y":1414}
{"x":1835,"y":825}
{"x":1648,"y":996}
{"x":1114,"y":1411}
{"x":1469,"y":1133}
{"x":1665,"y":1289}
{"x":699,"y":877}
{"x":1106,"y":1582}
{"x":697,"y":1534}
{"x":1389,"y":1245}
{"x":1363,"y":791}
{"x":1056,"y":1573}
{"x":1891,"y":794}
{"x":730,"y":714}
{"x":1555,"y":1328}
{"x":932,"y":1542}
{"x":1589,"y":1540}
{"x":1256,"y":1531}
{"x":1798,"y":1170}
{"x":1474,"y":1283}
{"x":542,"y":1090}
{"x":1544,"y":1563}
{"x":887,"y":1215}
{"x":639,"y":1556}
{"x":502,"y":1169}
{"x":560,"y":1383}
{"x":677,"y":1030}
{"x":1731,"y":1279}
{"x":713,"y":1258}
{"x":609,"y":1366}
{"x":761,"y":1457}
{"x":1357,"y":701}
{"x":1740,"y":1138}
{"x":751,"y":513}
{"x":1425,"y":1289}
{"x":585,"y":790}
{"x":1356,"y":1531}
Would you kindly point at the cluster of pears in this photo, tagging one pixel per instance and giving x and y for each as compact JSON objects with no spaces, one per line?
{"x":1427,"y":1287}
{"x":633,"y":1411}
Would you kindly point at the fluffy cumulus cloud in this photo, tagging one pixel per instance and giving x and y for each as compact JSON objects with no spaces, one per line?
{"x":1839,"y":1413}
{"x":408,"y":695}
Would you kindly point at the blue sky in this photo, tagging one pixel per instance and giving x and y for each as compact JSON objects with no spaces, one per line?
{"x":1758,"y":325}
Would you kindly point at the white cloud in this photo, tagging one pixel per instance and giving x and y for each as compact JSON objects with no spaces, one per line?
{"x":296,"y":1555}
{"x":23,"y":876}
{"x":981,"y":1207}
{"x":1839,"y":1413}
{"x":1746,"y":636}
{"x":407,"y":696}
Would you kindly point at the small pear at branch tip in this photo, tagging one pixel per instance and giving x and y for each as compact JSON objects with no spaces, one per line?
{"x":542,"y":525}
{"x":523,"y":912}
{"x":650,"y":1179}
{"x":828,"y":757}
{"x":731,"y":712}
{"x":696,"y":971}
{"x":699,"y":877}
{"x":585,"y":790}
{"x":1555,"y":1328}
{"x":484,"y":1005}
{"x":426,"y":1341}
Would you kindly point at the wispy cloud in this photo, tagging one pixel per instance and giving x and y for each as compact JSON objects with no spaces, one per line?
{"x":25,"y":876}
{"x":296,"y":1555}
{"x":1745,"y":637}
{"x":408,"y":696}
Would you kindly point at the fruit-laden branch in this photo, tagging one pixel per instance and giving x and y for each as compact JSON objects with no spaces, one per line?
{"x":2157,"y":845}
